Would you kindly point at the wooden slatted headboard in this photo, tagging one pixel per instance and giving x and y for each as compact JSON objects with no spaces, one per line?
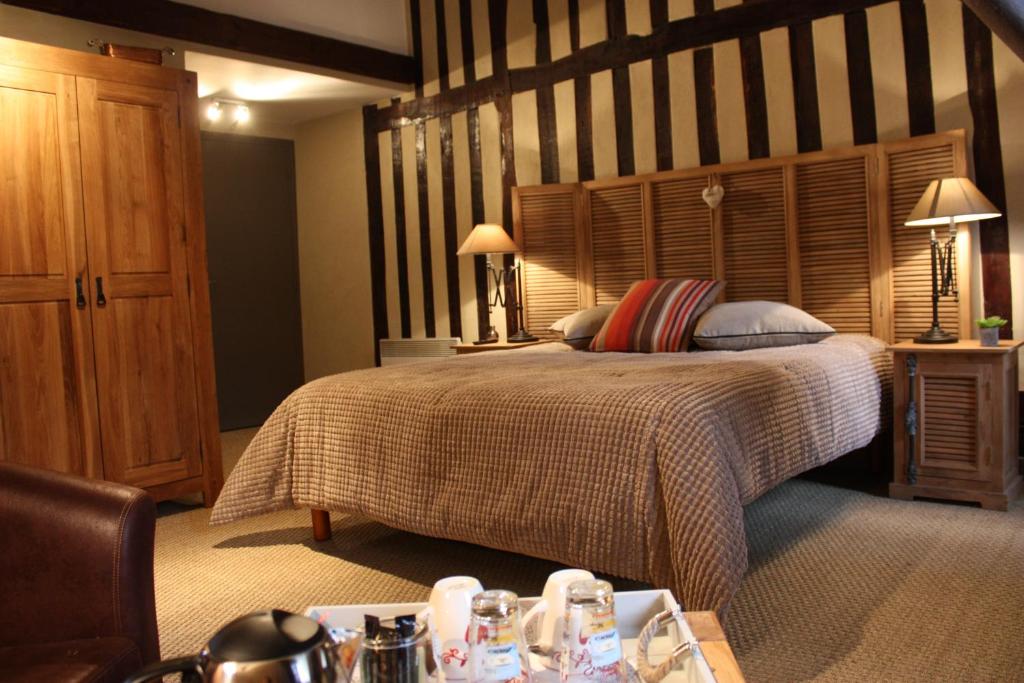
{"x":823,"y":231}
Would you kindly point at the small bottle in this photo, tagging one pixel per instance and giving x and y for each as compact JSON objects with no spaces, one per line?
{"x":591,"y":648}
{"x":497,"y":648}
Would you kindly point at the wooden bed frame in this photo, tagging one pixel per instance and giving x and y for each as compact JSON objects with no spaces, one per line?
{"x":822,"y":231}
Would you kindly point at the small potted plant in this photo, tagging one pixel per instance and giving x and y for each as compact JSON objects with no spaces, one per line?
{"x":988,"y":329}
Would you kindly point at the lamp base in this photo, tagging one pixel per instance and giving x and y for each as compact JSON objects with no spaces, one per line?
{"x":521,"y":336}
{"x":491,"y":338}
{"x":936,"y":335}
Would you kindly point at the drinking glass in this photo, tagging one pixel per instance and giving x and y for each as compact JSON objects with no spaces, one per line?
{"x":497,"y":648}
{"x":591,"y":647}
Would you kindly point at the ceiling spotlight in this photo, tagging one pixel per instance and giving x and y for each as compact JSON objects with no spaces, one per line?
{"x":213,"y":111}
{"x":239,"y":111}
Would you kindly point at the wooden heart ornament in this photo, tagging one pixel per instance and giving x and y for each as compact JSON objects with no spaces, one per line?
{"x":713,"y":195}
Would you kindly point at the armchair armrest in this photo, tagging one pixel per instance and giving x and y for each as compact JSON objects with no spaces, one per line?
{"x":76,"y":560}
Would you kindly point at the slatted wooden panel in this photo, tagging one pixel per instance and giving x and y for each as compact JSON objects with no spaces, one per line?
{"x":548,"y":241}
{"x":910,"y":171}
{"x":617,"y":239}
{"x":950,"y":430}
{"x":754,"y":235}
{"x":682,"y":229}
{"x":842,"y":251}
{"x":832,"y":219}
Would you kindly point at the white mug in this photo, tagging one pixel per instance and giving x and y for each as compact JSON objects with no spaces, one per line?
{"x":547,"y":638}
{"x":448,"y":614}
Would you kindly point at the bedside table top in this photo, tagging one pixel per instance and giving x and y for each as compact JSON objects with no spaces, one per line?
{"x":495,"y":346}
{"x":964,"y":345}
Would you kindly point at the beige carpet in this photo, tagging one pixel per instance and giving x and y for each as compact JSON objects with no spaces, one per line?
{"x":843,"y":586}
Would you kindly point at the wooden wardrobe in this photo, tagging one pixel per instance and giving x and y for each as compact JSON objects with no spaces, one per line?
{"x":106,"y":355}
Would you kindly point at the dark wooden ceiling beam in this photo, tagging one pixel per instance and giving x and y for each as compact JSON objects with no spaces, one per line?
{"x":684,"y":34}
{"x":198,"y":25}
{"x":750,"y":18}
{"x":1005,"y":18}
{"x":448,"y":102}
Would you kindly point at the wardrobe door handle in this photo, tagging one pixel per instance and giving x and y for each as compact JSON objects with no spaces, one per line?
{"x":100,"y":299}
{"x":79,"y":296}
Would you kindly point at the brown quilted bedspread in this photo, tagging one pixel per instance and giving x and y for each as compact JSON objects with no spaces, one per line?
{"x":631,"y":464}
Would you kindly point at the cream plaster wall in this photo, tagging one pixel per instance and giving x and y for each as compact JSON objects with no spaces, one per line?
{"x":334,"y":265}
{"x":50,"y":29}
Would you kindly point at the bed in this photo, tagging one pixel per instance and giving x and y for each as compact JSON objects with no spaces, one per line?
{"x":636,"y":465}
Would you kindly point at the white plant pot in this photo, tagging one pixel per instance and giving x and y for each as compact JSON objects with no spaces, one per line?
{"x":989,"y":336}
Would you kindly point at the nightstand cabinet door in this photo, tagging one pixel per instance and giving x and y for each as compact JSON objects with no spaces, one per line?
{"x":956,"y":411}
{"x":955,"y":439}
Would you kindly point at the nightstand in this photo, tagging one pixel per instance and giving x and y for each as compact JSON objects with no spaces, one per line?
{"x":955,"y":414}
{"x":462,"y":349}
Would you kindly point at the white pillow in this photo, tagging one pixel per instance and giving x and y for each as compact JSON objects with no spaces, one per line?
{"x":582,"y":325}
{"x":757,"y":324}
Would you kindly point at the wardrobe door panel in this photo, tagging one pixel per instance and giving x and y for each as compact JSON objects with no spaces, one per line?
{"x":32,"y":243}
{"x":47,"y":392}
{"x":138,"y":224}
{"x":40,"y":421}
{"x":131,"y":159}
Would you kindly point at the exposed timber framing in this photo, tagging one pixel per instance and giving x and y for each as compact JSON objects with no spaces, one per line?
{"x":1005,"y":18}
{"x":749,"y":18}
{"x":198,"y":25}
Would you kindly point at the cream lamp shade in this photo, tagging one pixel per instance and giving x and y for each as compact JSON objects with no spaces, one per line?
{"x":955,"y":200}
{"x":488,"y":238}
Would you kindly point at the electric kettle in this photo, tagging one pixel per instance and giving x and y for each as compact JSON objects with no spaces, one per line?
{"x":268,"y":647}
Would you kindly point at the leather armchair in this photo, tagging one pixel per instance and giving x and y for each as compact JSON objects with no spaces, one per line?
{"x":76,"y":578}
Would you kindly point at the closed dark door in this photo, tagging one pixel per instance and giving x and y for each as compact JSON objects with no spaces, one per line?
{"x":254,"y":276}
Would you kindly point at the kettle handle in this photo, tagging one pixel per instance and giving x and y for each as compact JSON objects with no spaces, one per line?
{"x":156,"y":670}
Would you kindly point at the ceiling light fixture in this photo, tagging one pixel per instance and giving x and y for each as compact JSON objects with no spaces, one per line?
{"x":213,"y":111}
{"x":242,"y":114}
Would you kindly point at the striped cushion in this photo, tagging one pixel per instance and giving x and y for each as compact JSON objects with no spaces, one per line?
{"x":656,"y":315}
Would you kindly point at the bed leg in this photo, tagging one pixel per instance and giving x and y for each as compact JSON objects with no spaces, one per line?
{"x":321,"y":525}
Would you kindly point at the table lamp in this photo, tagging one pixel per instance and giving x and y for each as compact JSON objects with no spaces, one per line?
{"x":488,"y":239}
{"x":947,"y":202}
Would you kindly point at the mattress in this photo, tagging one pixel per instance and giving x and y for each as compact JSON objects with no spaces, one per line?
{"x":635,"y":465}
